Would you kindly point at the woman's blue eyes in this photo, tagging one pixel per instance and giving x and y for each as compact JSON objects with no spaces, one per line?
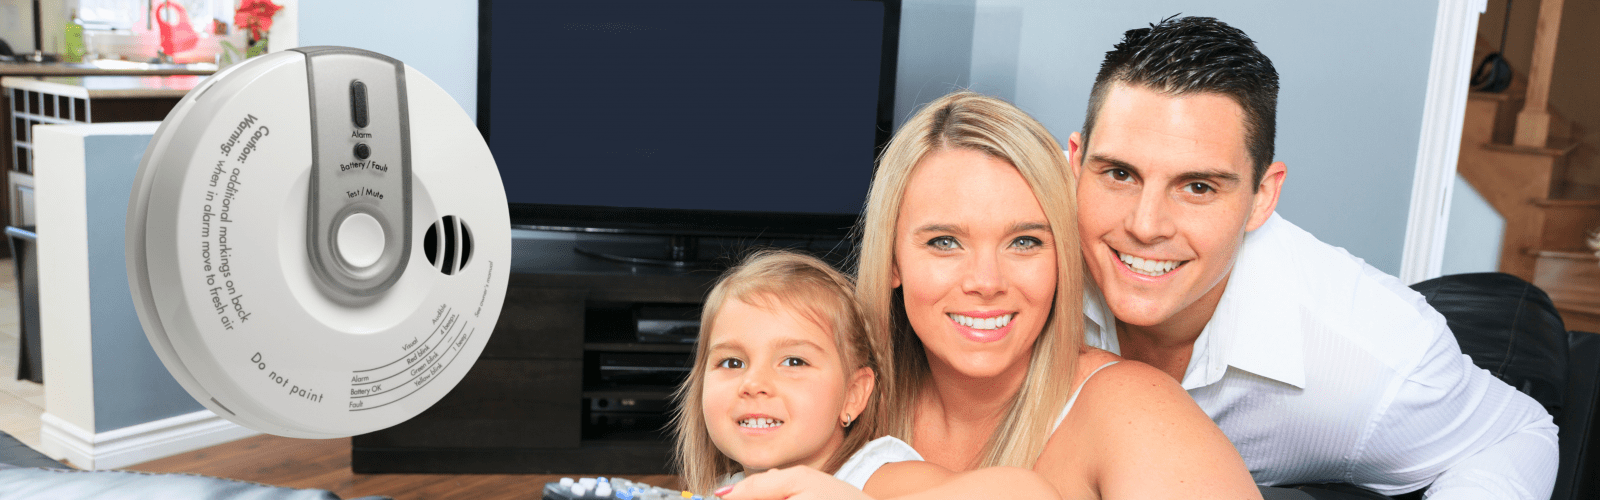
{"x":1021,"y":243}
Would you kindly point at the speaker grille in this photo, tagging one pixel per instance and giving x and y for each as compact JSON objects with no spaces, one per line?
{"x":448,"y":245}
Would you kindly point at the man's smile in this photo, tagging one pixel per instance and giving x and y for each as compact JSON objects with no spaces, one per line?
{"x":1148,"y":267}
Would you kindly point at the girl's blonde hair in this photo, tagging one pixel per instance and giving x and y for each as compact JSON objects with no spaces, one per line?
{"x":971,"y":121}
{"x":773,"y":279}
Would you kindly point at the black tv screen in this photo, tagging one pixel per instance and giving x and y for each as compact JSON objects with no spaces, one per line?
{"x":688,"y":116}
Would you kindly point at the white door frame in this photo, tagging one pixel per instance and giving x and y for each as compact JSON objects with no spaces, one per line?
{"x":1454,"y":34}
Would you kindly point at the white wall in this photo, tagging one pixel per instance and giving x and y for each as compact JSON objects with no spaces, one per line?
{"x":16,"y":24}
{"x":1353,"y":78}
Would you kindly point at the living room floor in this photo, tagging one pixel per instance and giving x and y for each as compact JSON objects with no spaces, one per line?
{"x":21,"y":401}
{"x":325,"y":464}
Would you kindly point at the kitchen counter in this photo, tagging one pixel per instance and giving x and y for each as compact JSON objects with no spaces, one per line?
{"x":54,"y":100}
{"x":103,"y":68}
{"x":106,"y":86}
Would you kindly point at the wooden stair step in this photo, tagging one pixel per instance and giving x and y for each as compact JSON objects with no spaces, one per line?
{"x":1579,"y":308}
{"x":1582,"y":320}
{"x":1489,"y":118}
{"x":1493,"y":96}
{"x":1577,"y":255}
{"x":1552,"y":150}
{"x":1567,"y":203}
{"x":1568,"y":224}
{"x":1573,"y":281}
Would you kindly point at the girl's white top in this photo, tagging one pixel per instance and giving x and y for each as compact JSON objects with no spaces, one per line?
{"x":866,"y":461}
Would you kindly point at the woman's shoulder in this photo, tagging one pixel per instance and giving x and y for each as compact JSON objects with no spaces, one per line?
{"x":1126,"y":383}
{"x":1094,"y":357}
{"x":1115,"y":392}
{"x":1091,"y":360}
{"x":1131,"y":418}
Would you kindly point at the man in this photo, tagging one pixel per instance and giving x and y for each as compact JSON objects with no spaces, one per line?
{"x":1318,"y":367}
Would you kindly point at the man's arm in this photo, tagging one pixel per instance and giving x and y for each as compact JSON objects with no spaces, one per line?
{"x":1457,"y":427}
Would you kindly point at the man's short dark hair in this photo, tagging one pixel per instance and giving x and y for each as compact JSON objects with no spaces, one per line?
{"x":1190,"y":55}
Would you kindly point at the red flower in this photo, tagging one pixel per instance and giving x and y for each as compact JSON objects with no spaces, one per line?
{"x":256,"y":16}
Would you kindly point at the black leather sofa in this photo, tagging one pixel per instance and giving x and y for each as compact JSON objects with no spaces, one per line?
{"x":1511,"y":328}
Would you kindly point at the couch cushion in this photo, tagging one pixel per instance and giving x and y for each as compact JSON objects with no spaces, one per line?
{"x":1579,"y":475}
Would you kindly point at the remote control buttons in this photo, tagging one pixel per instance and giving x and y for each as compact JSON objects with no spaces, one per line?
{"x":358,"y":103}
{"x":360,"y":240}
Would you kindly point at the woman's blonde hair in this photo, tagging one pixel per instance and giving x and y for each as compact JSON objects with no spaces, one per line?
{"x":773,"y":279}
{"x":971,"y":121}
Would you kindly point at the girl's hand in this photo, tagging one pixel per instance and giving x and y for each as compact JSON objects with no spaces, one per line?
{"x":799,"y":483}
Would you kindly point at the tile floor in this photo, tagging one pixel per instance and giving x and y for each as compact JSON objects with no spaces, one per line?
{"x":21,"y":401}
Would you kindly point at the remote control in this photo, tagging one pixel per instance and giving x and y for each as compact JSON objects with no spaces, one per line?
{"x":602,"y":488}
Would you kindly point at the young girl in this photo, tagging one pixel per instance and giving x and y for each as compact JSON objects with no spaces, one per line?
{"x":783,"y":376}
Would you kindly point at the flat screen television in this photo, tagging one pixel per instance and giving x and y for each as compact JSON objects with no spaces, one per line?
{"x":688,"y":117}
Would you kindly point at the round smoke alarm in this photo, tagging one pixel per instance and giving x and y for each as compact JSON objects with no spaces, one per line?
{"x":318,"y":243}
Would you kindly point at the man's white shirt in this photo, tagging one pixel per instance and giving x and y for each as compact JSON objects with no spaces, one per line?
{"x":1321,"y":368}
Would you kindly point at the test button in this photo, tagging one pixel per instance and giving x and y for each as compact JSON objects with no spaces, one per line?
{"x":360,"y":240}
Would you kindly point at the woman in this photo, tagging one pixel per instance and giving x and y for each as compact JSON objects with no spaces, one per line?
{"x":971,"y":276}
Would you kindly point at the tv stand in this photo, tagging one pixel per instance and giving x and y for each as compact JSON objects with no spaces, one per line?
{"x":698,"y":252}
{"x":536,"y":400}
{"x":679,"y":251}
{"x":545,"y":396}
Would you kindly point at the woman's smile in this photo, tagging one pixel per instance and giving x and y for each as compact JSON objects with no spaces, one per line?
{"x":983,"y":327}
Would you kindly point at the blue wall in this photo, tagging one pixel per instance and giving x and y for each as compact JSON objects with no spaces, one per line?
{"x":935,"y":52}
{"x":131,"y":386}
{"x":440,"y":39}
{"x":1472,"y":243}
{"x":1353,"y":78}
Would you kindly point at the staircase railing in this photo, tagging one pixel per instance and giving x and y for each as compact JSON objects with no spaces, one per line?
{"x":1533,"y":123}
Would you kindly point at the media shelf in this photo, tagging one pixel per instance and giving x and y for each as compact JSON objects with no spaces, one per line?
{"x":623,"y":347}
{"x":564,"y":386}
